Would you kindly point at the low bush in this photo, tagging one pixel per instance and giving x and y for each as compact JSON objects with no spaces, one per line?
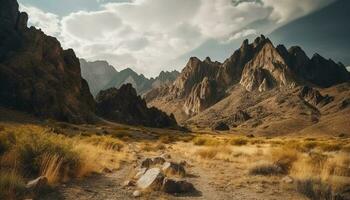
{"x":11,"y":185}
{"x":239,"y":141}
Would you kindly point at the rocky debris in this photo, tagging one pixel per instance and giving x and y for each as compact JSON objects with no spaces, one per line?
{"x":287,"y":179}
{"x":137,"y":193}
{"x":220,"y":126}
{"x":314,"y":97}
{"x":150,"y":162}
{"x":129,"y":183}
{"x":125,"y":106}
{"x":151,"y":180}
{"x":173,"y":169}
{"x":172,"y":186}
{"x":37,"y":183}
{"x":36,"y":74}
{"x":167,"y":177}
{"x":239,"y":117}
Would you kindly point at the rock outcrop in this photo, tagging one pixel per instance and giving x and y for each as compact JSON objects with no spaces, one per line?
{"x":36,"y":74}
{"x":125,"y":106}
{"x":314,"y":97}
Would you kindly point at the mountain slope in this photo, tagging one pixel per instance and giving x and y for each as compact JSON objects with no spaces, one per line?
{"x":100,"y":75}
{"x":36,"y":74}
{"x":259,"y":80}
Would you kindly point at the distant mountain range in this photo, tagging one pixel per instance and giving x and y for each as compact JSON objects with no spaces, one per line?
{"x":100,"y":76}
{"x":261,"y":88}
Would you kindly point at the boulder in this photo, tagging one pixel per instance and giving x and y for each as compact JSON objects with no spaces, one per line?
{"x":137,"y":193}
{"x":150,"y":162}
{"x":151,"y":180}
{"x":172,"y":186}
{"x":221,"y":126}
{"x":37,"y":183}
{"x":173,"y":169}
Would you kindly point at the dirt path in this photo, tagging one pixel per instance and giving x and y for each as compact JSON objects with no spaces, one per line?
{"x":214,"y":181}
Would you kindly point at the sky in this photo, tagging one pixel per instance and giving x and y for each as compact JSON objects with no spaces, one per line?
{"x":153,"y":35}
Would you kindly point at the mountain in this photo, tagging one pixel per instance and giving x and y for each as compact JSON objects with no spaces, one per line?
{"x":259,"y":80}
{"x":325,"y":31}
{"x":36,"y":74}
{"x":100,"y":75}
{"x":123,"y":105}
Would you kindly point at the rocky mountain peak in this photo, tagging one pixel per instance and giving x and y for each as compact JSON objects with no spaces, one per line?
{"x":49,"y":83}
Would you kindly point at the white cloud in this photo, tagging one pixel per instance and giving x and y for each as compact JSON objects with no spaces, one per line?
{"x":48,"y":22}
{"x":148,"y":34}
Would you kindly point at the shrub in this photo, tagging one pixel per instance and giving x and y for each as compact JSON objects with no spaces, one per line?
{"x":239,"y":141}
{"x":11,"y":185}
{"x":314,"y":189}
{"x":266,"y":169}
{"x":206,"y":141}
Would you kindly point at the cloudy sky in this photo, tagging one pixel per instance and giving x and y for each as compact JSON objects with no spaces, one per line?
{"x":154,"y":35}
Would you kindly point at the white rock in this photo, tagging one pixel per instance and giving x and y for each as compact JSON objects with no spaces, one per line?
{"x":151,"y":180}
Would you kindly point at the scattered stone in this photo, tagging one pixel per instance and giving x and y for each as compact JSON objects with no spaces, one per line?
{"x":151,"y":180}
{"x":37,"y":183}
{"x":147,"y":163}
{"x":128,"y":183}
{"x":177,"y":186}
{"x":150,"y":162}
{"x":287,"y":179}
{"x":158,"y":161}
{"x":107,"y":170}
{"x":250,"y":136}
{"x":136,"y":193}
{"x":173,"y":169}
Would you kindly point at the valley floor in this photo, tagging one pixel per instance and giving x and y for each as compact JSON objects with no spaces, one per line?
{"x":220,"y":165}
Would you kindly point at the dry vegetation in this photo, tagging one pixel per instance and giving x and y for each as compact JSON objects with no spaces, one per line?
{"x":29,"y":151}
{"x":319,"y":167}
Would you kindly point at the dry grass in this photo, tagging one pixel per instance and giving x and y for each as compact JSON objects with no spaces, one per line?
{"x":31,"y":151}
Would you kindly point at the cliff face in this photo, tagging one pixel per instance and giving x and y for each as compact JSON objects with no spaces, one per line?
{"x":36,"y":74}
{"x":257,"y":67}
{"x":98,"y":74}
{"x":125,"y":106}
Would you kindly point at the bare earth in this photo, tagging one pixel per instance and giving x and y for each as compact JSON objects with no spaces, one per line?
{"x":214,"y":180}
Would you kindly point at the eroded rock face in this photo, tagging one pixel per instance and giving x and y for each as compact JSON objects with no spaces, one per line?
{"x":239,"y":117}
{"x":125,"y":106}
{"x":36,"y":74}
{"x":266,"y":70}
{"x":314,"y":97}
{"x":201,"y":97}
